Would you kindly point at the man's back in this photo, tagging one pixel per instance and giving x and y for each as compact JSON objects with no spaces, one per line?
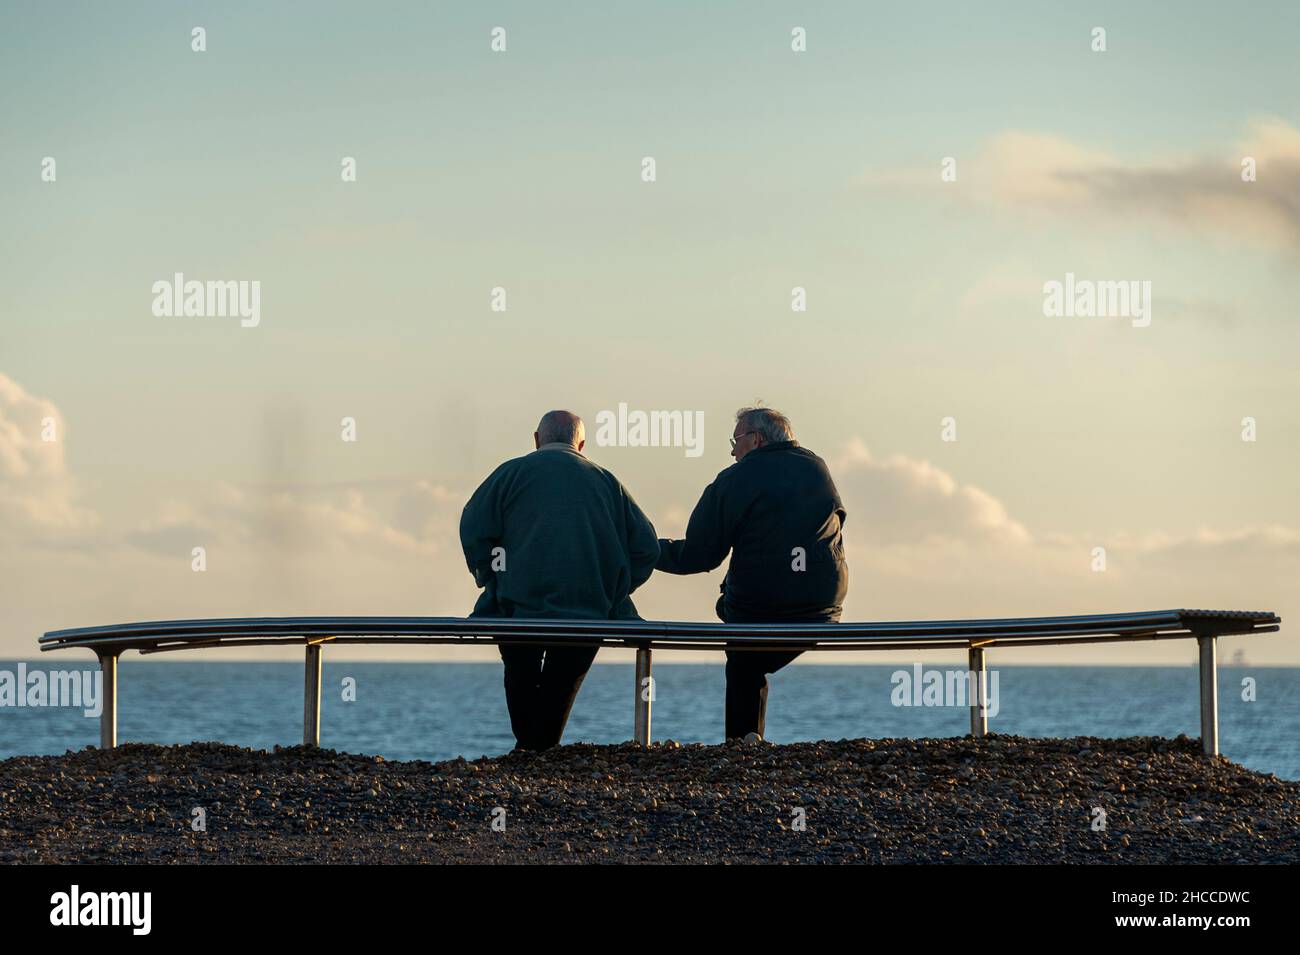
{"x":780,"y":515}
{"x":573,"y":544}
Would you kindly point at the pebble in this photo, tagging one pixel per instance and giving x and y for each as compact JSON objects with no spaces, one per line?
{"x":999,"y":799}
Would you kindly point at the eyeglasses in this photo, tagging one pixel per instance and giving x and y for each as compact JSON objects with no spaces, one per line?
{"x":739,"y":436}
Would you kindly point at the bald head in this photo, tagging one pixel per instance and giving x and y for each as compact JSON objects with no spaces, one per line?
{"x":563,"y":427}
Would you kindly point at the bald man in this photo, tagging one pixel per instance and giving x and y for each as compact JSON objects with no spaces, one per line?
{"x":551,"y":535}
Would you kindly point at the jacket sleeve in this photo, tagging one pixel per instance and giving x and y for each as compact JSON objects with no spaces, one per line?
{"x":481,"y":528}
{"x":707,"y":540}
{"x":642,"y":542}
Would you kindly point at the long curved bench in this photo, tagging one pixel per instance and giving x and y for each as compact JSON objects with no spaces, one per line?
{"x":644,"y":636}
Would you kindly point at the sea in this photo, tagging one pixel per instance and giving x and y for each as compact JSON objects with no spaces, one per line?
{"x":438,"y":711}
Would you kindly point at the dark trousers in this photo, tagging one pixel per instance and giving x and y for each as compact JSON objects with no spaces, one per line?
{"x":541,"y":685}
{"x":747,"y":672}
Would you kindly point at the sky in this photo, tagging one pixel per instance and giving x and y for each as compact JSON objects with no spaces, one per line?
{"x":523,"y":169}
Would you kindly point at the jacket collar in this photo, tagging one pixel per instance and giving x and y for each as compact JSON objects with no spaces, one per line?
{"x":778,"y":446}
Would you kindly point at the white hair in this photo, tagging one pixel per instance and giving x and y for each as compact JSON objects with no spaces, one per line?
{"x":773,"y":426}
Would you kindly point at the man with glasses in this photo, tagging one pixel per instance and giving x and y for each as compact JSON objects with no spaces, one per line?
{"x":777,"y":511}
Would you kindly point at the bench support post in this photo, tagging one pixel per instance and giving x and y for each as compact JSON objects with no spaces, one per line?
{"x":311,"y":697}
{"x":108,"y":716}
{"x":977,"y":686}
{"x":1209,"y":694}
{"x":644,"y":697}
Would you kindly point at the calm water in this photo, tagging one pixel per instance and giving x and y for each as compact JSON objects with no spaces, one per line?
{"x":439,"y":710}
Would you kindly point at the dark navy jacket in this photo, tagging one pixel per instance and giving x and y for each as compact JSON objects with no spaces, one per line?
{"x":779,"y":498}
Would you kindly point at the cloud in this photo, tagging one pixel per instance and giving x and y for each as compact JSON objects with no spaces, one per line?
{"x":900,"y":500}
{"x":1043,"y":173}
{"x":425,"y":511}
{"x":38,"y":499}
{"x":921,"y":544}
{"x":413,"y":519}
{"x":387,"y":550}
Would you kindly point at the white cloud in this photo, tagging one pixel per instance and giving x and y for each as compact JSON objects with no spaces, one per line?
{"x":1028,"y":172}
{"x":411,"y":520}
{"x":37,"y":496}
{"x":900,"y":500}
{"x":921,"y":544}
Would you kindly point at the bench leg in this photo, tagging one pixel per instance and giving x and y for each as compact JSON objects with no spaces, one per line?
{"x":977,"y":687}
{"x":644,"y":697}
{"x":1209,"y":694}
{"x":311,"y":697}
{"x":108,"y":716}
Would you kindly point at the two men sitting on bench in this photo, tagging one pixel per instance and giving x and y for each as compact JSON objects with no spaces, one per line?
{"x":552,"y":535}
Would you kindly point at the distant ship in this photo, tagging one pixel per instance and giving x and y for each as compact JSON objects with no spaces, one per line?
{"x":1238,"y":658}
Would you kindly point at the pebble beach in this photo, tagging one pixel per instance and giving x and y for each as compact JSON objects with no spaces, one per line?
{"x":1000,"y":799}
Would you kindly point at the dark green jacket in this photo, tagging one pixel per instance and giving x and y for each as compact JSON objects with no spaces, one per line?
{"x":574,"y":545}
